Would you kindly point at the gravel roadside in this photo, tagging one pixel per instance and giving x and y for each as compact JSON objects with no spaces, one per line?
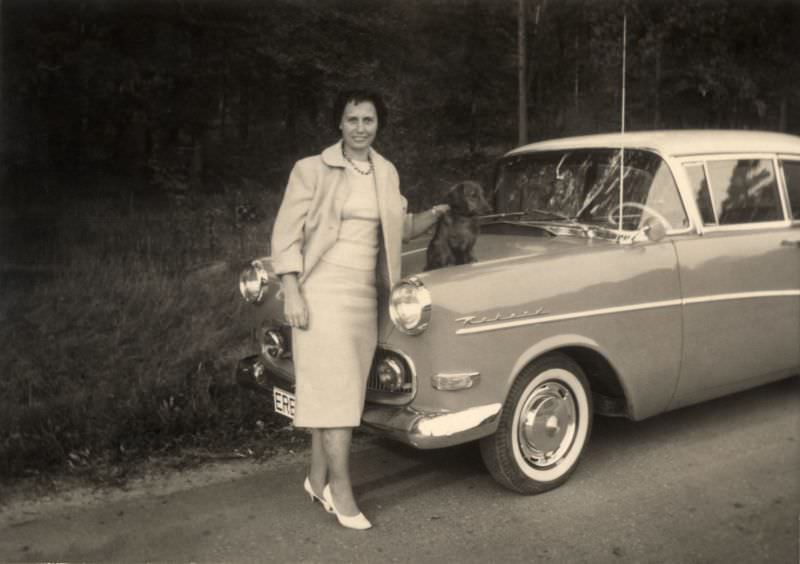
{"x":33,"y":498}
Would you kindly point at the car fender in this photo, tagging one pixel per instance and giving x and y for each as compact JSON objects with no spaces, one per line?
{"x":557,"y":343}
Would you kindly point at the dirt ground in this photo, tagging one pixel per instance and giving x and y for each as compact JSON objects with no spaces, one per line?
{"x":33,"y":498}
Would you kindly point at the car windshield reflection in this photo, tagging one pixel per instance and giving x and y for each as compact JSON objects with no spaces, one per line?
{"x":581,"y":187}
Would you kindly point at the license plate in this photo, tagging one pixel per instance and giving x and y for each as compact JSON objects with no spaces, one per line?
{"x":284,"y":402}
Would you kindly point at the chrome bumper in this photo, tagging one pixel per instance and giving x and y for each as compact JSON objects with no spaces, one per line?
{"x":423,"y":429}
{"x":420,"y":429}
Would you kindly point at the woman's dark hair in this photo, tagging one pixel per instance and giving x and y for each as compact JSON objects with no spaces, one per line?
{"x":358,"y":95}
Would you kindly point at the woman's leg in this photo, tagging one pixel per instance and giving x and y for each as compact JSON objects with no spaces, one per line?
{"x":318,"y":472}
{"x":337,"y":451}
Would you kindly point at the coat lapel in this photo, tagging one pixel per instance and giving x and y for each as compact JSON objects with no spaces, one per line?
{"x":333,"y":157}
{"x":388,"y":208}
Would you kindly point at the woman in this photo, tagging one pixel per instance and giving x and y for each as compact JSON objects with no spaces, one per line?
{"x":337,"y":238}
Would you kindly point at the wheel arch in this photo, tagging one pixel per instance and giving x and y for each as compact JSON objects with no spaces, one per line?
{"x":609,"y":394}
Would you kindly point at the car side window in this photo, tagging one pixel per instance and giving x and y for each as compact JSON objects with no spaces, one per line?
{"x":791,"y":173}
{"x":699,"y":183}
{"x":664,"y":198}
{"x":744,"y":191}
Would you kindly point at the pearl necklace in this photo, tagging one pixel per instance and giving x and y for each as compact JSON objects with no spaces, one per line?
{"x":353,"y":164}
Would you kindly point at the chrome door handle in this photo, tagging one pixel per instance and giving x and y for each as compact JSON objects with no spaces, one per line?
{"x":788,"y":243}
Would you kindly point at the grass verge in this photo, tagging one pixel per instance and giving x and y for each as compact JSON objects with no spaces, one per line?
{"x":123,"y":350}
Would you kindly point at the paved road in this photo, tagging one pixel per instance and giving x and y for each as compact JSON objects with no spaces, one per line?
{"x":718,"y":482}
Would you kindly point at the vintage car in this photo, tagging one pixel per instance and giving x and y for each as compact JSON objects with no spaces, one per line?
{"x":621,"y":275}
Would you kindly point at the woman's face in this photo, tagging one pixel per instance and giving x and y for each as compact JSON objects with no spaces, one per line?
{"x":359,"y":125}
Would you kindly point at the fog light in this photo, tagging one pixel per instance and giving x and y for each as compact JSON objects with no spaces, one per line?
{"x":391,"y":375}
{"x":273,"y":344}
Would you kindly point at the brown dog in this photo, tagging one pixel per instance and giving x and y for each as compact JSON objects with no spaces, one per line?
{"x":457,"y":230}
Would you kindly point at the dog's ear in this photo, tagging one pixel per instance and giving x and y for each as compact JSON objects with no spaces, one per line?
{"x":455,"y":198}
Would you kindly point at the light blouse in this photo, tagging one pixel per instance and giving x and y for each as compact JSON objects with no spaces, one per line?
{"x":357,"y":244}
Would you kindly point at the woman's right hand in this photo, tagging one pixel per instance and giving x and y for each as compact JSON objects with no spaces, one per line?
{"x":295,"y":309}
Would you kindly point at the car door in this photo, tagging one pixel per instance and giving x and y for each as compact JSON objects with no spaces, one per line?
{"x":740,"y":279}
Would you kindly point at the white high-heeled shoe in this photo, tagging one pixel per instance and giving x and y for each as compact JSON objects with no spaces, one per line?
{"x":314,"y":497}
{"x":358,"y":522}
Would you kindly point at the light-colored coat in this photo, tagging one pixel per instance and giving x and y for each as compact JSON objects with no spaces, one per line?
{"x":308,"y":221}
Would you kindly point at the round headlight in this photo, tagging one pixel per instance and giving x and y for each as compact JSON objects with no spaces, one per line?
{"x":253,"y":282}
{"x":410,"y":306}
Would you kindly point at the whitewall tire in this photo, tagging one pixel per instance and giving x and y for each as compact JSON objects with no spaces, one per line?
{"x":544,"y":426}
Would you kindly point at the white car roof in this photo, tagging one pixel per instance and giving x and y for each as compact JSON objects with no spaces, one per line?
{"x":679,"y":142}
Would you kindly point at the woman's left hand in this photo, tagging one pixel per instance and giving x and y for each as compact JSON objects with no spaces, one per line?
{"x":427,"y":219}
{"x":440,"y":209}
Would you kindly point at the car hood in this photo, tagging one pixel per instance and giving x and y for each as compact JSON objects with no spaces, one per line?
{"x":506,"y":240}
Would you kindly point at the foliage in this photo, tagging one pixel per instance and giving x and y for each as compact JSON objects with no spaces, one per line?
{"x":218,"y":90}
{"x":122,"y":350}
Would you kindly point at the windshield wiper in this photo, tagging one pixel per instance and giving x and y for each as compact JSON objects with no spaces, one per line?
{"x":502,"y":215}
{"x":550,"y":214}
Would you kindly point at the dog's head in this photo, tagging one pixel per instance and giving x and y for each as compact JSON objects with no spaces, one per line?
{"x":466,"y":198}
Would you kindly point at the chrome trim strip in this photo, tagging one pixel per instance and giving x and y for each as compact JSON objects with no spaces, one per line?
{"x":740,"y":227}
{"x":627,"y":308}
{"x":742,"y":296}
{"x":777,"y":167}
{"x":575,"y":315}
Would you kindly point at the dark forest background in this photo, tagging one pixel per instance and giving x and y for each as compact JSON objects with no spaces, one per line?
{"x":146,"y":144}
{"x":210,"y":94}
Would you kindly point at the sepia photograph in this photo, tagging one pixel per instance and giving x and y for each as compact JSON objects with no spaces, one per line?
{"x":366,"y":281}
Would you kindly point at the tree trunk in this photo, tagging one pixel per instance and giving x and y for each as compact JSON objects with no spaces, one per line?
{"x":3,"y":163}
{"x":657,"y":93}
{"x":783,"y":116}
{"x":244,"y":117}
{"x":198,"y":162}
{"x":532,"y":71}
{"x":473,"y":125}
{"x":223,"y":99}
{"x":522,"y":83}
{"x":576,"y":83}
{"x":223,"y":114}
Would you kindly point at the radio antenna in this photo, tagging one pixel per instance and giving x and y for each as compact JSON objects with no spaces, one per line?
{"x":622,"y":120}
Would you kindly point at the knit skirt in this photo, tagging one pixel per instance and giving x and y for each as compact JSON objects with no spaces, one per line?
{"x":333,"y":355}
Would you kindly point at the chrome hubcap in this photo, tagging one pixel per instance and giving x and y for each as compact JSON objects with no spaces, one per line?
{"x":547,"y":424}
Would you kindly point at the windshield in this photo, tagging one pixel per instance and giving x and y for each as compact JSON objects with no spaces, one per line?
{"x":583,"y":185}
